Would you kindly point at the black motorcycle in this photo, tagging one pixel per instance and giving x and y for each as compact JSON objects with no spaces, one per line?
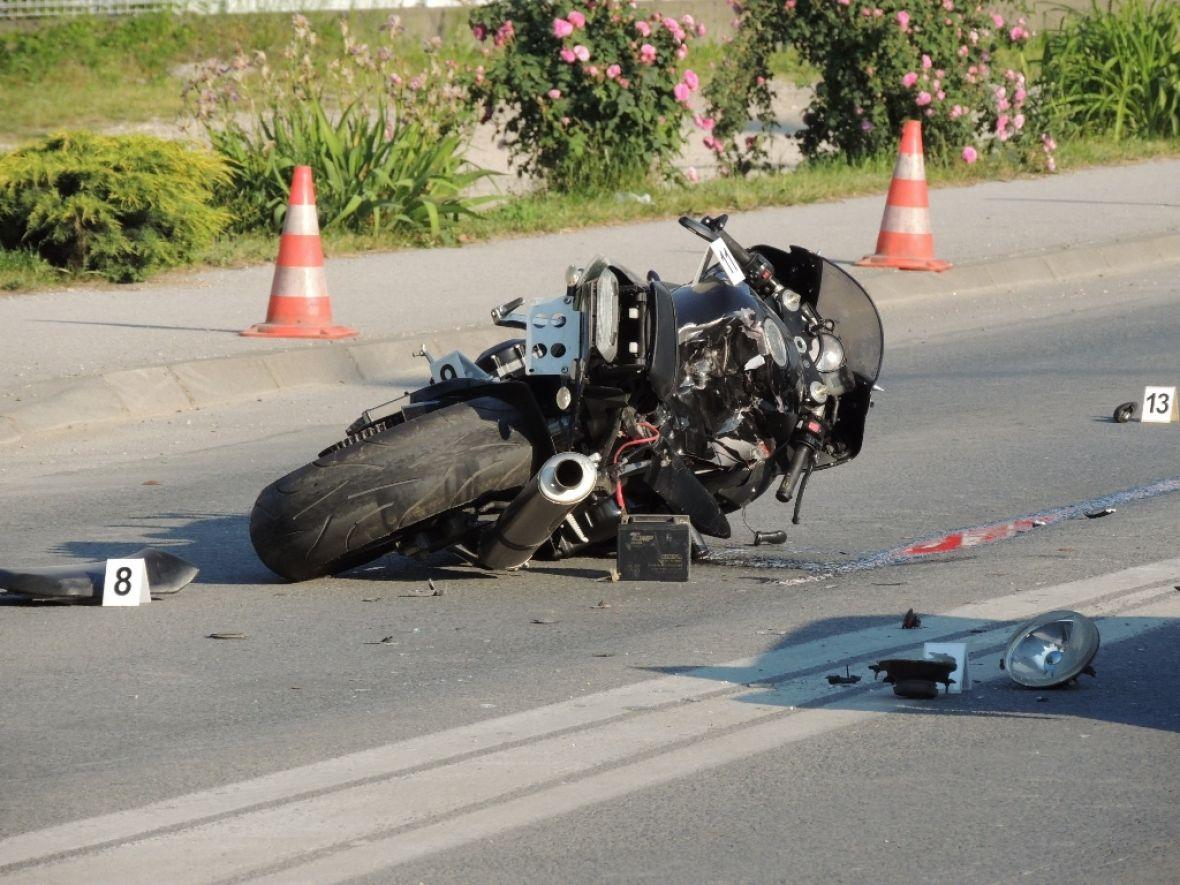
{"x":624,"y":394}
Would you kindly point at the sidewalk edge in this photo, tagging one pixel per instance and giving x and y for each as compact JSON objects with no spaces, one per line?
{"x":125,"y":394}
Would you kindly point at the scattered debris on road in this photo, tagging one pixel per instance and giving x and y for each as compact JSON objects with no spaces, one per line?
{"x":228,"y":636}
{"x":777,"y":536}
{"x":916,"y":679}
{"x":1124,"y":413}
{"x":910,"y":621}
{"x":543,"y":621}
{"x":847,"y":679}
{"x":1097,"y":514}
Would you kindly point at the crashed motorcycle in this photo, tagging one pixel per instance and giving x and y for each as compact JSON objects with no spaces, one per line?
{"x":623,"y":395}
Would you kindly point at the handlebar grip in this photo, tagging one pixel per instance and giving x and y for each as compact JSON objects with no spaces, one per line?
{"x":786,"y":489}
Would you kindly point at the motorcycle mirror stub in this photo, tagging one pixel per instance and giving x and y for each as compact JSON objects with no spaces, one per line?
{"x":1051,"y":649}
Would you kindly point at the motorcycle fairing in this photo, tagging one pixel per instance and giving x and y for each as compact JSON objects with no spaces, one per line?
{"x":83,"y":581}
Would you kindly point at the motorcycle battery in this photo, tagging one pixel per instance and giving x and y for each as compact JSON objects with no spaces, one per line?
{"x":654,"y":547}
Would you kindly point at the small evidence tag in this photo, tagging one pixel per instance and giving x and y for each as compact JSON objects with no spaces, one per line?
{"x":1159,"y":406}
{"x":729,"y":265}
{"x":126,"y":583}
{"x":957,"y":650}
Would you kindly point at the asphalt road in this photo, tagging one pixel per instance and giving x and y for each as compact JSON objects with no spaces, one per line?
{"x":641,"y":731}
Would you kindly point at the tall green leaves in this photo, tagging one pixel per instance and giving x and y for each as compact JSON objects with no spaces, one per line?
{"x":1117,"y":71}
{"x":118,"y":206}
{"x":370,"y":174}
{"x":385,"y":145}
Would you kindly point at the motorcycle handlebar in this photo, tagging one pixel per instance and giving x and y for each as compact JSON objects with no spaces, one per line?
{"x":714,"y":229}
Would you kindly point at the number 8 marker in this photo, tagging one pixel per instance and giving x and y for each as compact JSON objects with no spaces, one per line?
{"x":126,"y":583}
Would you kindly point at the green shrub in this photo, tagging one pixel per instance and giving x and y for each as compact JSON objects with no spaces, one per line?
{"x":117,"y":206}
{"x":1117,"y":71}
{"x":589,"y":97}
{"x":22,"y":269}
{"x":385,"y":143}
{"x":880,"y":63}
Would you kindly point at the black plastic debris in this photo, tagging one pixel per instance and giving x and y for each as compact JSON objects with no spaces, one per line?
{"x":227,"y":636}
{"x":82,"y":581}
{"x":1098,"y":514}
{"x":1124,"y":413}
{"x":916,"y":679}
{"x":773,"y":537}
{"x":847,"y":679}
{"x":910,"y":621}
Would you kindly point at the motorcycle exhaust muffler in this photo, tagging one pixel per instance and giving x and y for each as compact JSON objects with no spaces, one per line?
{"x":562,"y":483}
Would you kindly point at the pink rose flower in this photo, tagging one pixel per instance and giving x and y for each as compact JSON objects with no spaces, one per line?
{"x":575,"y":18}
{"x":706,"y":123}
{"x":923,"y":99}
{"x":903,"y":19}
{"x":643,"y":28}
{"x":682,"y":93}
{"x":691,"y":80}
{"x":1018,"y":122}
{"x":970,"y":155}
{"x":963,"y":50}
{"x":479,"y":32}
{"x":567,"y":56}
{"x":647,"y":53}
{"x":554,"y":94}
{"x":581,"y":53}
{"x":926,"y":63}
{"x":613,"y":71}
{"x":909,"y":79}
{"x":1051,"y":164}
{"x":702,"y":30}
{"x":592,"y":70}
{"x":692,"y":175}
{"x":998,"y":20}
{"x":682,"y":52}
{"x":562,"y":28}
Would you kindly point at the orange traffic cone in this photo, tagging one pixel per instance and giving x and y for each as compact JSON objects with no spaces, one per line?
{"x":299,"y":303}
{"x":905,"y":240}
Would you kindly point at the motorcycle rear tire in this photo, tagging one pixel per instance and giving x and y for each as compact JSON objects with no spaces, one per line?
{"x":349,"y":506}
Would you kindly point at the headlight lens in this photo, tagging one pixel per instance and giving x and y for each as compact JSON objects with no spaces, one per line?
{"x":831,"y":353}
{"x":606,"y":314}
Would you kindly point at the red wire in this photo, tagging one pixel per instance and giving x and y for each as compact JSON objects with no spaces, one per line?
{"x":629,"y":445}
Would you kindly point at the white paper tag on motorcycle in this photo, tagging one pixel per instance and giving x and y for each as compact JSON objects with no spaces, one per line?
{"x":729,"y":265}
{"x":1159,"y":406}
{"x":126,"y":583}
{"x":957,"y":650}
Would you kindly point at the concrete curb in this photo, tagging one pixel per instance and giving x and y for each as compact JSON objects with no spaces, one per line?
{"x":1082,"y":262}
{"x":162,"y":390}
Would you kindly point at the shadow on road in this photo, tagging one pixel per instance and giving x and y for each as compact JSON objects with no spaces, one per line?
{"x":1133,"y":685}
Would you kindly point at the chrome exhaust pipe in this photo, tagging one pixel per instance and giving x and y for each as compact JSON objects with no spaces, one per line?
{"x":562,"y":483}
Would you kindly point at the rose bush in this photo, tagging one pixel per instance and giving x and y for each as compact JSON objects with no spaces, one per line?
{"x":881,"y":62}
{"x":588,"y":95}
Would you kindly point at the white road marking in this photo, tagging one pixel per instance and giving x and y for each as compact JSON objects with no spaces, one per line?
{"x":316,"y":813}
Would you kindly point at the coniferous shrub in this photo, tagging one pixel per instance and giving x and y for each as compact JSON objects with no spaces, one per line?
{"x":116,"y":206}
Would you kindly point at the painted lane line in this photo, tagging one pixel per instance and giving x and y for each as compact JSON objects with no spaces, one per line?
{"x":233,"y":847}
{"x":351,"y":806}
{"x":402,"y":756}
{"x":377,"y":855}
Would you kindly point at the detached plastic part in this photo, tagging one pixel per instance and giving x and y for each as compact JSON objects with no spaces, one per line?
{"x":916,"y":679}
{"x":1124,"y":413}
{"x":82,"y":581}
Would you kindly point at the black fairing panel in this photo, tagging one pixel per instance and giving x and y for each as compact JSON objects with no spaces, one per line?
{"x":82,"y":581}
{"x":664,"y":357}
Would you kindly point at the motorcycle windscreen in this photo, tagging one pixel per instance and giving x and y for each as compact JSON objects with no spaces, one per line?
{"x":838,"y":297}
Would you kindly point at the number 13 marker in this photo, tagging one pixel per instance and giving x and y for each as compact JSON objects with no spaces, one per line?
{"x":1159,"y":405}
